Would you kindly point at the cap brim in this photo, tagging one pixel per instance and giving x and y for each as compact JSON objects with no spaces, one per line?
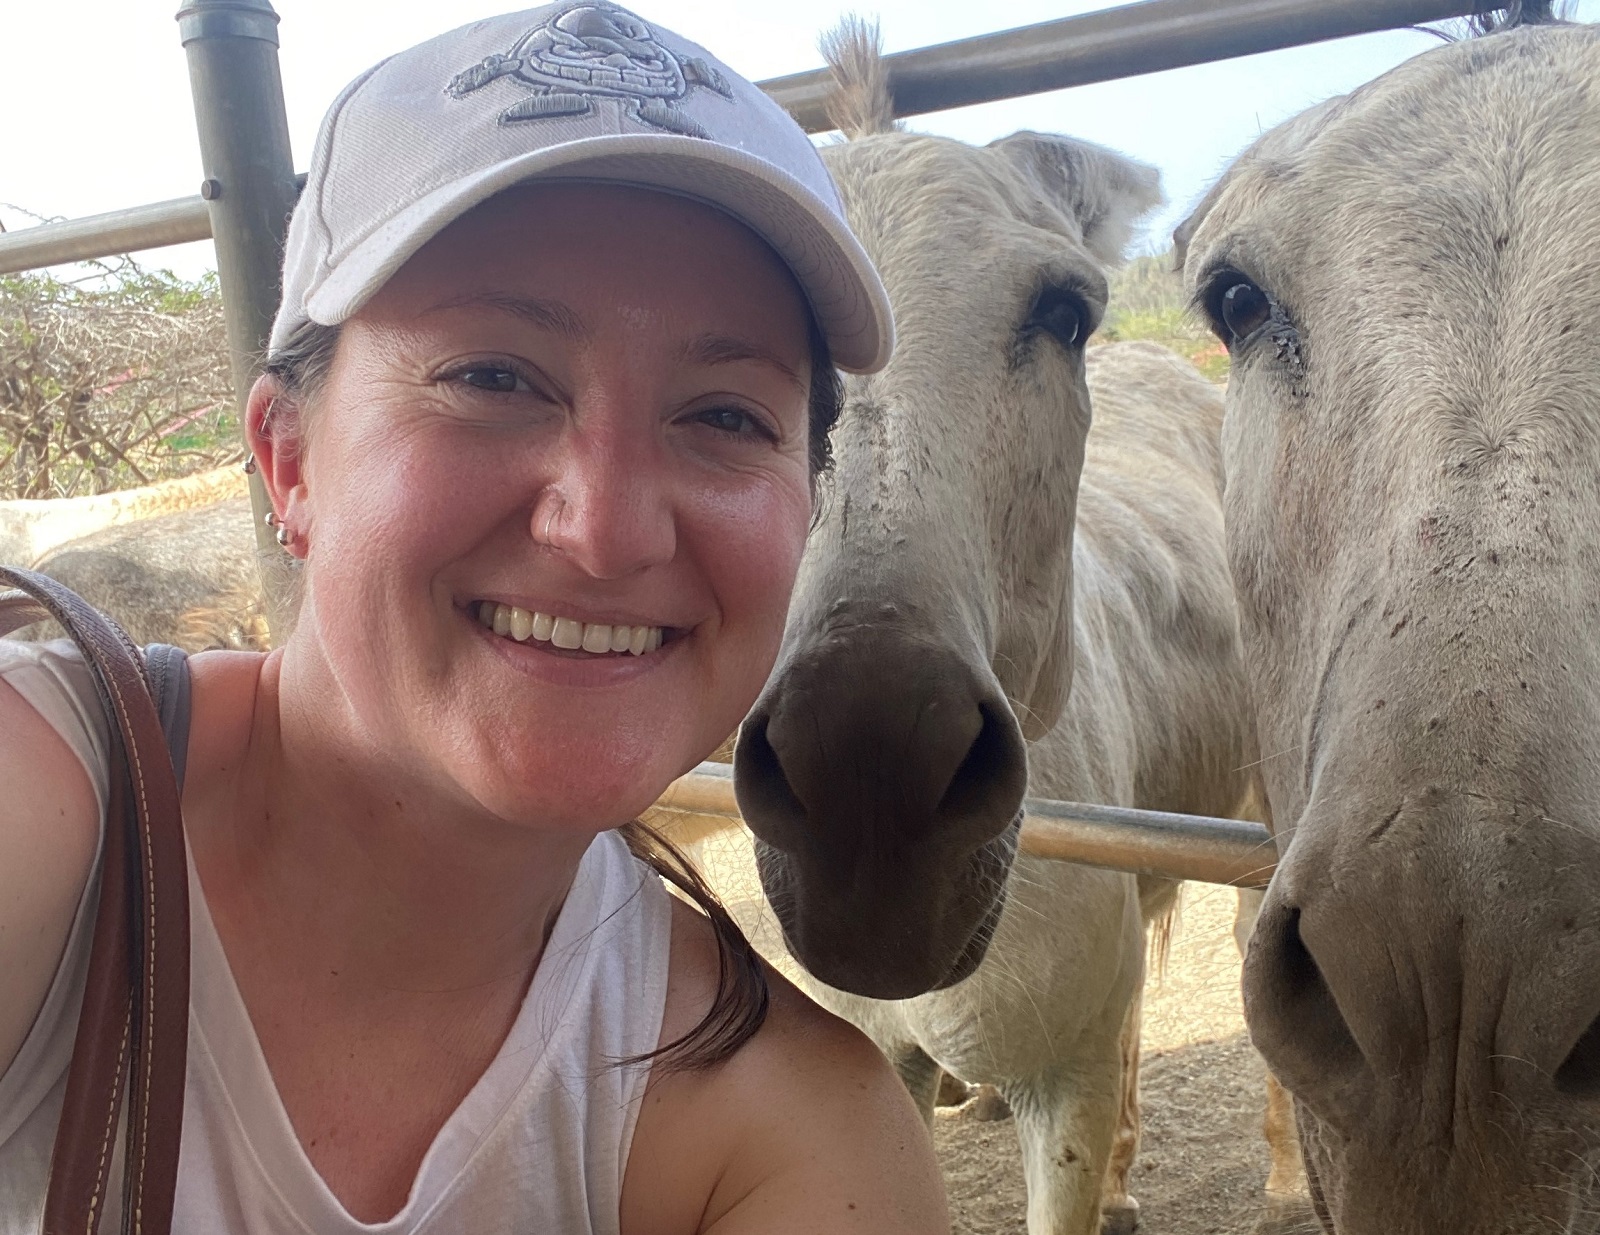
{"x":828,"y":262}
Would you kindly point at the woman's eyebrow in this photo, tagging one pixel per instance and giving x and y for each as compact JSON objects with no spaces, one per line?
{"x":715,"y":349}
{"x":549,"y":315}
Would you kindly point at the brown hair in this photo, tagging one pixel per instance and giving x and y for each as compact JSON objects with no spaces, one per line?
{"x":739,"y":1007}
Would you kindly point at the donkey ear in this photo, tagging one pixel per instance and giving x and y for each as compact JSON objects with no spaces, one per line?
{"x":1185,"y":231}
{"x":1106,"y":192}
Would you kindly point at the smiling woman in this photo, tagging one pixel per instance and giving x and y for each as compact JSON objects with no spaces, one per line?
{"x":546,"y":400}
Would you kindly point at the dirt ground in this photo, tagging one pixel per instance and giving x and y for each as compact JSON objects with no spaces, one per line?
{"x":1203,"y":1161}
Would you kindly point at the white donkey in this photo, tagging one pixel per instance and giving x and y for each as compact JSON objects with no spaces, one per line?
{"x":944,"y":612}
{"x":30,"y":528}
{"x":1408,"y":281}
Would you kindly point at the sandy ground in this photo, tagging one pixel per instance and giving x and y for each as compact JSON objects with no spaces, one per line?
{"x":1203,"y":1161}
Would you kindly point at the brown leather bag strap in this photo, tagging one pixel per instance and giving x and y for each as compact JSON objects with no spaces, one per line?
{"x":133,"y":1030}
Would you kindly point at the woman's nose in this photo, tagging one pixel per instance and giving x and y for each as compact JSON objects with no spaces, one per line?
{"x":606,"y":507}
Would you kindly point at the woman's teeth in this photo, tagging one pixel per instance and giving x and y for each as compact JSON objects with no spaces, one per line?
{"x":519,"y":624}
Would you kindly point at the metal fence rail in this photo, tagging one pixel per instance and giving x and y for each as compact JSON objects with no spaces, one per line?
{"x":1145,"y":842}
{"x":100,"y":235}
{"x":1113,"y":43}
{"x":1109,"y":44}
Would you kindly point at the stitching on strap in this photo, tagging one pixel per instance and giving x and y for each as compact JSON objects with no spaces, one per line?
{"x":111,"y":1124}
{"x":150,"y":961}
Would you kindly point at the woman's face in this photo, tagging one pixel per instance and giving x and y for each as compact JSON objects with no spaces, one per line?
{"x":583,"y":402}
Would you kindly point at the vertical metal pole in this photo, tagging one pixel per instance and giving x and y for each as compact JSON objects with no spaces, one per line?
{"x":249,"y":184}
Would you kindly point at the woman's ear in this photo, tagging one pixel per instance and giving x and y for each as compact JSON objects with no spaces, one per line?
{"x":273,"y":431}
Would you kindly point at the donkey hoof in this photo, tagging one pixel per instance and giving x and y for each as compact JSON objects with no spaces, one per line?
{"x":989,"y":1107}
{"x":1119,"y":1217}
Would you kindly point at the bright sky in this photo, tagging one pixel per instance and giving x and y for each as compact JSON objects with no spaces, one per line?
{"x":95,"y":112}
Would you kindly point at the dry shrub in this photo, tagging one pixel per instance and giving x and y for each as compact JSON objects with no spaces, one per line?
{"x":1148,"y":302}
{"x":112,"y":380}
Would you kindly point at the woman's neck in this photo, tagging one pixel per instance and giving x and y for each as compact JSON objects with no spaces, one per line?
{"x":395,"y":885}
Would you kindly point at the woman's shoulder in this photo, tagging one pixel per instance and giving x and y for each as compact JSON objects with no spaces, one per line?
{"x":806,"y":1127}
{"x":58,"y":688}
{"x":52,"y":763}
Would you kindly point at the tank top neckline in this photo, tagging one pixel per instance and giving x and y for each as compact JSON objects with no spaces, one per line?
{"x":223,"y":1041}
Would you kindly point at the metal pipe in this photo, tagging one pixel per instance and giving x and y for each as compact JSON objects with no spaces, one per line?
{"x":249,"y":186}
{"x":1127,"y":41}
{"x":1144,"y":842}
{"x":183,"y":220}
{"x":1150,"y":842}
{"x":101,"y":235}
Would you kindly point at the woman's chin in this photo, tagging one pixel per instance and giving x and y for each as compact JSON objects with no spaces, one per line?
{"x":581,"y":791}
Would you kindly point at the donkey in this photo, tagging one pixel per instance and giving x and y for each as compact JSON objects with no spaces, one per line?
{"x":942,"y":615}
{"x":1408,"y":280}
{"x":29,"y":528}
{"x":189,"y":578}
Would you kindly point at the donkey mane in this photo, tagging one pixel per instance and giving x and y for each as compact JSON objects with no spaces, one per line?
{"x":861,"y":103}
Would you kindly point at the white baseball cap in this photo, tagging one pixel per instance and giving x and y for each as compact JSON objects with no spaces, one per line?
{"x":577,"y":90}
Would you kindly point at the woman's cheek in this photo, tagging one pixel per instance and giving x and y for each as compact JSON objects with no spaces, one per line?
{"x":417,"y":497}
{"x":757,"y":536}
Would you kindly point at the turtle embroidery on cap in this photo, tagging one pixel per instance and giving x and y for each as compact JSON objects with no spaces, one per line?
{"x":594,"y":49}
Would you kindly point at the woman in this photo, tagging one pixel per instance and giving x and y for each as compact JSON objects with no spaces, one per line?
{"x":547,"y":397}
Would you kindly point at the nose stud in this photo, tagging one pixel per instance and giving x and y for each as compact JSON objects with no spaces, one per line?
{"x":557,"y":505}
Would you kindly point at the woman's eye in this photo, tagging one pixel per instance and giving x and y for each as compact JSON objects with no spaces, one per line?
{"x":492,"y":377}
{"x":734,"y":421}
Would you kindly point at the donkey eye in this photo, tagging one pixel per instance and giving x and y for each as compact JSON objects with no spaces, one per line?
{"x":1245,"y":309}
{"x":1237,"y":307}
{"x":1061,"y":314}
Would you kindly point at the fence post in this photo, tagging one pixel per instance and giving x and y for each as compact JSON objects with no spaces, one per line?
{"x":249,"y":186}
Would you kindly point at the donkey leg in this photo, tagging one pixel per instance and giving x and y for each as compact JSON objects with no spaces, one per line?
{"x":988,"y":1105}
{"x":1066,"y":1123}
{"x":1119,"y":1212}
{"x":953,"y":1091}
{"x":1286,"y":1180}
{"x":920,"y":1075}
{"x":1288,"y":1174}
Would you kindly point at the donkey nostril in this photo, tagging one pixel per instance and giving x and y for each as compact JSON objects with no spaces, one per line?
{"x":1579,"y":1075}
{"x":760,"y":784}
{"x":1294,"y":1017}
{"x":990,"y":771}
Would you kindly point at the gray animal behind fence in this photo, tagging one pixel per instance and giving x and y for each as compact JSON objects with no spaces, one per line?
{"x":188,"y":579}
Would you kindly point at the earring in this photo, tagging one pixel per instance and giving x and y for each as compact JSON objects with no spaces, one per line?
{"x":283,"y":535}
{"x":249,"y":465}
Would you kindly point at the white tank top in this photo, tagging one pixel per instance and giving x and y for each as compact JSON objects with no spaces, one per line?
{"x":538,"y":1145}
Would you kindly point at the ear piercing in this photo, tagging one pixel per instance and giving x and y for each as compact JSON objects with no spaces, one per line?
{"x":283,"y":535}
